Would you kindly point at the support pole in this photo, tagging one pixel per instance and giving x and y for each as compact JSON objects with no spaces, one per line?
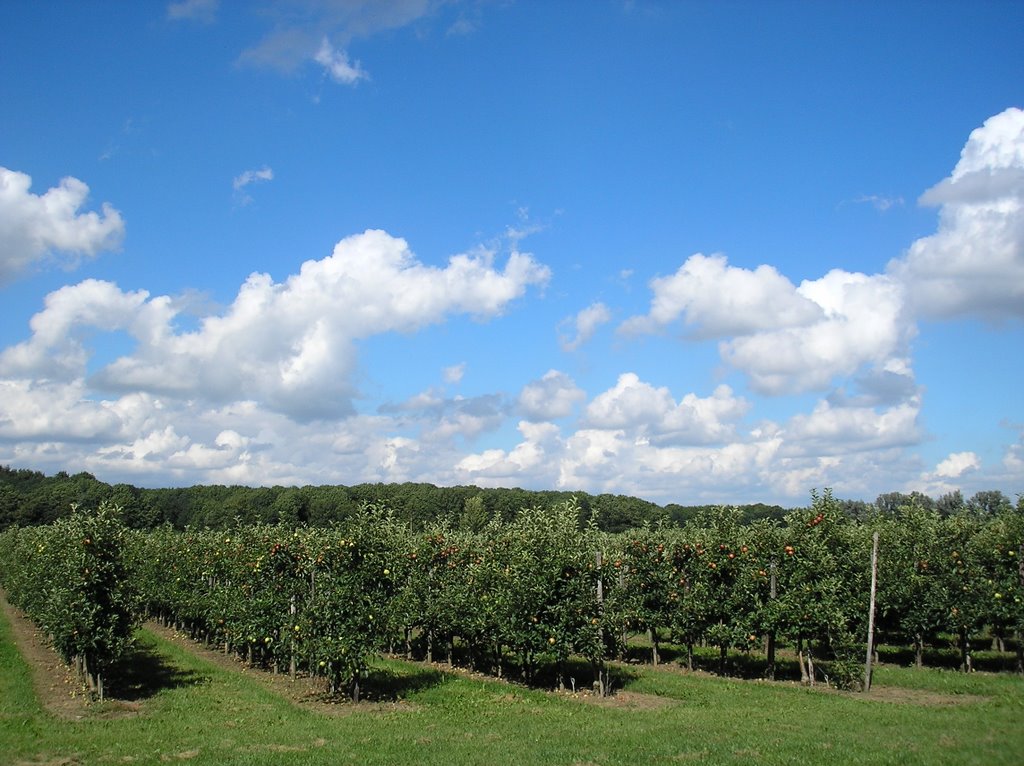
{"x":871,"y":613}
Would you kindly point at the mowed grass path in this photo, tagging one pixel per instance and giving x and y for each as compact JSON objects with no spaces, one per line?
{"x":202,"y":713}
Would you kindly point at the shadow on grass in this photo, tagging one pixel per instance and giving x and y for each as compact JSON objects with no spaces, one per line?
{"x":949,"y":658}
{"x":707,"y":659}
{"x":391,"y":684}
{"x":143,"y":673}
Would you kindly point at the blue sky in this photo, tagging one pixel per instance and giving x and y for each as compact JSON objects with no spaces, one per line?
{"x":694,"y":252}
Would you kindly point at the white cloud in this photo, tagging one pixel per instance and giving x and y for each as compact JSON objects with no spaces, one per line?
{"x":440,"y":419}
{"x":957,"y":464}
{"x":336,"y":64}
{"x":289,"y":346}
{"x":880,"y":202}
{"x":960,"y":471}
{"x":584,"y":325}
{"x":974,"y":264}
{"x":33,"y":227}
{"x":536,"y":457}
{"x":550,"y":398}
{"x":716,"y":300}
{"x":251,"y":176}
{"x":861,"y":322}
{"x":203,"y":11}
{"x":43,"y":411}
{"x":454,"y":373}
{"x":56,"y":349}
{"x":640,"y":409}
{"x":850,"y":452}
{"x":154,"y":440}
{"x":831,"y":430}
{"x":787,"y":339}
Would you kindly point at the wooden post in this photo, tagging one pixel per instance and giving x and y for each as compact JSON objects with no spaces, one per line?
{"x":622,"y":636}
{"x":291,"y":629}
{"x":871,"y":613}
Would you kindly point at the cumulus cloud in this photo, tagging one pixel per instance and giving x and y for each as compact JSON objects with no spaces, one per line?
{"x":290,"y":345}
{"x":650,"y":413}
{"x":441,"y":419}
{"x":43,"y":411}
{"x":956,"y":472}
{"x":550,"y":398}
{"x":861,"y":322}
{"x":785,"y":338}
{"x":536,"y":456}
{"x":612,"y":460}
{"x":974,"y":264}
{"x":583,"y":326}
{"x":34,"y":227}
{"x":957,"y":464}
{"x":56,"y":349}
{"x":716,"y":300}
{"x":846,"y":449}
{"x":830,"y":430}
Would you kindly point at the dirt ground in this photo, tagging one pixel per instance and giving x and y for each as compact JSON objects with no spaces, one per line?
{"x":55,"y":685}
{"x":304,"y":691}
{"x":61,"y":694}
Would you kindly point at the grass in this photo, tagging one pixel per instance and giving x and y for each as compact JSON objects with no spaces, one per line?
{"x":185,"y":709}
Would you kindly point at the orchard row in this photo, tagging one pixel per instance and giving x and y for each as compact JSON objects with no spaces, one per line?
{"x":324,"y":600}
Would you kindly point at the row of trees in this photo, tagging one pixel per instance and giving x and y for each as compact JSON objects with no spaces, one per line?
{"x":538,"y":589}
{"x":29,"y":497}
{"x":73,"y":579}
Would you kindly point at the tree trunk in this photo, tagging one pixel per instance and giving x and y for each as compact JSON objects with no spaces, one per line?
{"x":918,"y":650}
{"x":801,"y":661}
{"x":600,"y":682}
{"x":652,"y":634}
{"x":965,"y":652}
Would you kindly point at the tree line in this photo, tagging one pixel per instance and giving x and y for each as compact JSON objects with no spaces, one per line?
{"x":30,"y":498}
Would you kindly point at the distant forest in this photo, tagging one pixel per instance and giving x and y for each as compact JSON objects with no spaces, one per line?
{"x":29,"y":498}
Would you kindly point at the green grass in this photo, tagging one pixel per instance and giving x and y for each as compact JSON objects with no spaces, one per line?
{"x":197,"y":713}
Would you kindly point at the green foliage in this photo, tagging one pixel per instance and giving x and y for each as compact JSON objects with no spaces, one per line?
{"x":72,"y":579}
{"x":534,"y":589}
